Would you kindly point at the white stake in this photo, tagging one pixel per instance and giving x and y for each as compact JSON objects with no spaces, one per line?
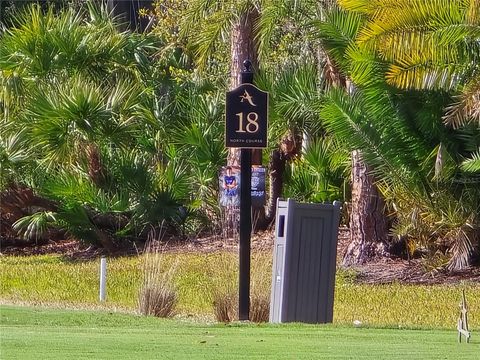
{"x":103,"y":278}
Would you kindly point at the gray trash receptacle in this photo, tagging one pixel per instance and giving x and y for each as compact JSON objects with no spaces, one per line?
{"x":304,"y":262}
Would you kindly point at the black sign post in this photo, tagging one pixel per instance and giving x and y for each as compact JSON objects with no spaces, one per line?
{"x":245,"y":231}
{"x":246,"y":128}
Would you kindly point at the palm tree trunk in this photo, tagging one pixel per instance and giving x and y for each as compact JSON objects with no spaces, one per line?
{"x":368,"y":228}
{"x":105,"y":240}
{"x":289,"y":148}
{"x":277,"y":168}
{"x":96,"y":170}
{"x":243,"y":47}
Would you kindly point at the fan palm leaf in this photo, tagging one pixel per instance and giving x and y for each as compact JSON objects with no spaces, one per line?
{"x":62,"y":119}
{"x":36,"y":225}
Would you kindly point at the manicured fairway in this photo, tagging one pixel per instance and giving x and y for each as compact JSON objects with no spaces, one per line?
{"x":28,"y":333}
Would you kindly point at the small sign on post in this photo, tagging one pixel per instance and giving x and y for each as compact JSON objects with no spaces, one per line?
{"x":230,"y":186}
{"x":258,"y":186}
{"x":246,"y":117}
{"x":246,"y":121}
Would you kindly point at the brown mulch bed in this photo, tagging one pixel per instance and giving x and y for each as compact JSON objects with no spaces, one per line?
{"x":378,"y":271}
{"x":69,"y":248}
{"x":385,"y":271}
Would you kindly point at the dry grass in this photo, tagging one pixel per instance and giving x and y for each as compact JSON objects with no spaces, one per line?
{"x":225,"y":307}
{"x":51,"y":279}
{"x":158,"y":295}
{"x":259,"y":308}
{"x":260,"y":287}
{"x":225,"y":289}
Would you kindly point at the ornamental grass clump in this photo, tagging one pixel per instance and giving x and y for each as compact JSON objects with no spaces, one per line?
{"x":260,"y":287}
{"x":259,"y":308}
{"x":224,"y":277}
{"x":225,"y":306}
{"x":158,"y":295}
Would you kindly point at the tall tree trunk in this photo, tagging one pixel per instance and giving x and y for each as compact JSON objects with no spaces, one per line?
{"x":277,"y":169}
{"x":368,"y":228}
{"x":243,"y":47}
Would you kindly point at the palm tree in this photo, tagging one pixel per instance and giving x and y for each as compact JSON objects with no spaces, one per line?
{"x":368,"y":228}
{"x":209,"y":22}
{"x":68,"y":123}
{"x":428,"y":45}
{"x":415,"y":159}
{"x":295,"y":93}
{"x":120,"y":146}
{"x":252,"y":28}
{"x":80,"y":92}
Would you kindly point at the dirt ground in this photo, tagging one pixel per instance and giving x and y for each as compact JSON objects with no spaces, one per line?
{"x":378,"y":271}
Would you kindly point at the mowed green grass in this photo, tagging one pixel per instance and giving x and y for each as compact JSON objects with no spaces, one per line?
{"x":28,"y":333}
{"x":54,"y":280}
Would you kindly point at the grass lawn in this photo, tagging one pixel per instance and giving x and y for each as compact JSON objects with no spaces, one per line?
{"x":53,"y":280}
{"x":28,"y":333}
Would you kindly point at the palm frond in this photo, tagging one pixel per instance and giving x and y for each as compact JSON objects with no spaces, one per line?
{"x":467,"y":108}
{"x":216,"y":20}
{"x":365,"y":68}
{"x":13,"y":150}
{"x":133,"y":169}
{"x":12,"y":88}
{"x":284,"y":19}
{"x":473,"y":163}
{"x":75,"y":220}
{"x":36,"y":225}
{"x":69,"y":187}
{"x":337,"y":32}
{"x":393,"y":16}
{"x":418,"y":74}
{"x":463,"y":240}
{"x":365,"y":6}
{"x":296,"y":95}
{"x":350,"y":118}
{"x":426,"y":42}
{"x":173,"y":177}
{"x":15,"y":155}
{"x":275,"y":12}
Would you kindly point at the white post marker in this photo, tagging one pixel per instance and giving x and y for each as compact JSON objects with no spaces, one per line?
{"x":103,"y":278}
{"x":462,"y":325}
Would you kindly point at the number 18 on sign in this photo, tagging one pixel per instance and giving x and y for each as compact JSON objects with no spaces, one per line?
{"x":246,"y":117}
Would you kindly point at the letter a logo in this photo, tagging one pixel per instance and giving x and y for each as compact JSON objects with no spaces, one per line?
{"x":248,"y":97}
